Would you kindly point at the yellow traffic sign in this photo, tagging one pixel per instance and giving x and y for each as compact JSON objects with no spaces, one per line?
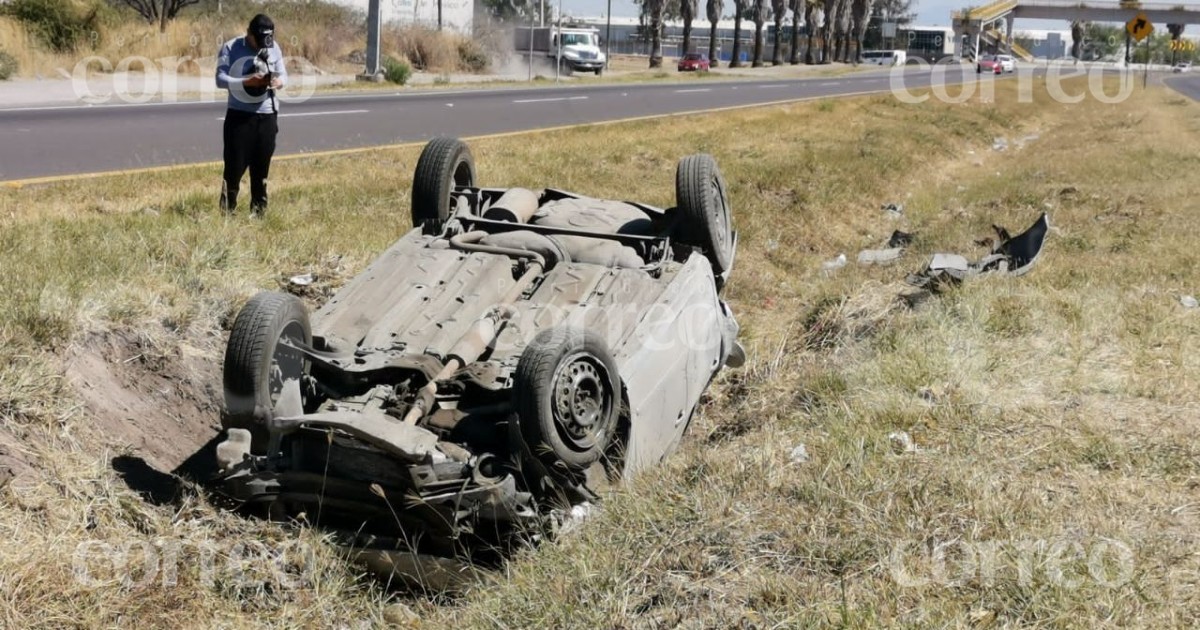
{"x":1139,"y":28}
{"x":1182,"y":44}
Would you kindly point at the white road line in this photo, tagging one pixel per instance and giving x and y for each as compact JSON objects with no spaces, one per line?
{"x":830,"y":83}
{"x":551,"y":100}
{"x":773,"y":85}
{"x":695,"y":90}
{"x":333,"y":113}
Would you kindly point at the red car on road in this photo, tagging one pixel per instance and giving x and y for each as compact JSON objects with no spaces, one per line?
{"x":995,"y":64}
{"x":694,"y":61}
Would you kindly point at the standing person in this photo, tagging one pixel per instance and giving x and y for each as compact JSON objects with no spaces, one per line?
{"x":251,"y":67}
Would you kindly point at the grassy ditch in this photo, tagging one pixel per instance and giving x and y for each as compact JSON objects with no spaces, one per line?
{"x":1051,"y":477}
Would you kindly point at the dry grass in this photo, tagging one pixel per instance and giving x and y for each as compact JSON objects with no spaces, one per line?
{"x":322,"y":33}
{"x":1047,"y":411}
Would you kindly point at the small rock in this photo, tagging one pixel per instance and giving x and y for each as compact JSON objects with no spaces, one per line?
{"x":999,"y":144}
{"x":894,"y":210}
{"x":772,"y":245}
{"x":902,"y":442}
{"x":1188,"y":301}
{"x":799,"y":454}
{"x":399,"y":614}
{"x":836,"y":263}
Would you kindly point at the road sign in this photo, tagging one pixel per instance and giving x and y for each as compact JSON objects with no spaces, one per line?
{"x":1139,"y":27}
{"x":1182,"y":44}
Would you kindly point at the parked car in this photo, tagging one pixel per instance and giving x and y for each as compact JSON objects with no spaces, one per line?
{"x":510,"y":355}
{"x":694,"y":62}
{"x":1182,"y":66}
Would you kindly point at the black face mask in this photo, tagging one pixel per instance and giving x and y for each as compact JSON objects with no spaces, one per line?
{"x":265,"y":39}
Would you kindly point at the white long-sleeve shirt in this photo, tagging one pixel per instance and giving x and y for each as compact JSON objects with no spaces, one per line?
{"x":235,"y":63}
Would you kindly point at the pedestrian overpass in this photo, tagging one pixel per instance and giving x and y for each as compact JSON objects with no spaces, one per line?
{"x":979,"y":26}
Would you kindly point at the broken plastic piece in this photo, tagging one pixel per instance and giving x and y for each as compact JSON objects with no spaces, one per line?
{"x":836,"y":263}
{"x":880,"y":256}
{"x":1013,"y":256}
{"x":900,"y":239}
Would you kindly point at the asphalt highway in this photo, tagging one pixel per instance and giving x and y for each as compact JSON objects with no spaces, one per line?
{"x":39,"y":142}
{"x":1186,"y":84}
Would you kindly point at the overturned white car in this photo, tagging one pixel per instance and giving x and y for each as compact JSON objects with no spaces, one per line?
{"x":507,"y":356}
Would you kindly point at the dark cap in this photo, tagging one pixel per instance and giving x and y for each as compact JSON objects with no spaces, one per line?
{"x":261,"y":24}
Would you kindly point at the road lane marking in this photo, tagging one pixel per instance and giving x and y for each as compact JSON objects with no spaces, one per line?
{"x":551,"y":100}
{"x":773,"y":85}
{"x":830,"y":83}
{"x":333,"y":113}
{"x":695,"y":90}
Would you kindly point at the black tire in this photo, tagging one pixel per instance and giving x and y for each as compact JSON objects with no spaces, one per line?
{"x":599,"y":71}
{"x":568,"y":422}
{"x":253,"y":353}
{"x":705,"y":221}
{"x":444,"y":164}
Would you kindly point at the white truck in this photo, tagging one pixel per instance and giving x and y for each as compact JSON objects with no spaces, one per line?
{"x":576,"y":48}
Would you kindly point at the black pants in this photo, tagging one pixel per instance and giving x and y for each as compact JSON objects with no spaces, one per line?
{"x":249,"y":142}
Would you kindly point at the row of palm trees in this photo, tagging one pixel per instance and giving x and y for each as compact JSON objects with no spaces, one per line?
{"x":840,"y":35}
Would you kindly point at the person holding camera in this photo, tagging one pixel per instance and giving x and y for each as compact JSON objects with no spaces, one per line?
{"x":251,"y":67}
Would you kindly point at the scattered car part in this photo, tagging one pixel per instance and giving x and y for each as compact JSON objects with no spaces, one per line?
{"x":1013,"y":256}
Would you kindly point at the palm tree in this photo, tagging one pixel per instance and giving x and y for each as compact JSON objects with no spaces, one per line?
{"x":655,"y":10}
{"x":843,"y":31}
{"x":739,"y":7}
{"x":830,"y":10}
{"x":778,"y":10}
{"x":810,"y":25}
{"x":797,"y":7}
{"x":714,"y":15}
{"x":687,"y":11}
{"x":860,"y":17}
{"x":760,"y":17}
{"x":1078,"y":27}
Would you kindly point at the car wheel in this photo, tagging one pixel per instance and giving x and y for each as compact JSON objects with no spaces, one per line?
{"x":257,"y":364}
{"x":444,"y":164}
{"x":705,"y":222}
{"x":567,"y":397}
{"x":599,"y":71}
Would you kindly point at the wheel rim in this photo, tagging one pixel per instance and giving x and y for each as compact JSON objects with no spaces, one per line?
{"x":462,"y":174}
{"x":582,"y":401}
{"x":286,"y":361}
{"x":722,"y":208}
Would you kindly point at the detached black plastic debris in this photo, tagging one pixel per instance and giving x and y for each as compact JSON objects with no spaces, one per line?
{"x":1013,"y":256}
{"x":900,"y":239}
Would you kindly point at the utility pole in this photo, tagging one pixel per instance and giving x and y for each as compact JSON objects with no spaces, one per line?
{"x":439,"y":16}
{"x":607,"y":33}
{"x":372,"y":72}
